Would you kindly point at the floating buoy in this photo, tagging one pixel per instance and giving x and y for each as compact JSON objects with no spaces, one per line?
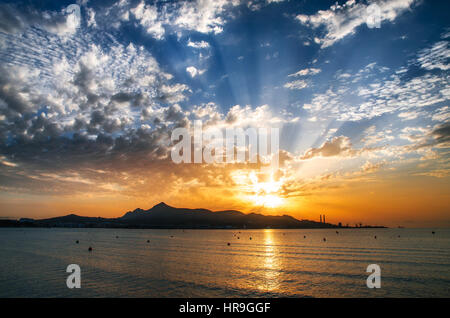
{"x":148,"y":241}
{"x":77,"y":241}
{"x":171,"y":236}
{"x":337,"y":232}
{"x":304,"y":236}
{"x":324,"y":239}
{"x":432,"y":232}
{"x":228,"y":244}
{"x":238,"y":237}
{"x":90,"y":249}
{"x":250,"y":238}
{"x":399,"y":236}
{"x":117,"y":236}
{"x":375,"y":237}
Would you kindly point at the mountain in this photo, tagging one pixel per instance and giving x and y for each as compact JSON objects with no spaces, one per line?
{"x":165,"y":216}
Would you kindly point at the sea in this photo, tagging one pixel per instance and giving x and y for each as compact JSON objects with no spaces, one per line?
{"x":224,"y":263}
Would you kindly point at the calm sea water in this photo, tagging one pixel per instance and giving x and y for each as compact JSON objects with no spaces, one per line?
{"x":199,"y":263}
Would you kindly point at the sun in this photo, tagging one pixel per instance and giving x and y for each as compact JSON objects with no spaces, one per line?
{"x":265,"y":193}
{"x":269,"y":200}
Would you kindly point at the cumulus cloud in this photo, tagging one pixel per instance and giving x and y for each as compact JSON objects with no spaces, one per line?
{"x":193,"y":72}
{"x":149,"y":17}
{"x":343,"y":20}
{"x":338,"y":146}
{"x":202,"y":15}
{"x":167,"y":17}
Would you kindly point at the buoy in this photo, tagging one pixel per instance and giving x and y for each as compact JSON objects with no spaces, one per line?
{"x":90,"y":249}
{"x":375,"y":237}
{"x":250,"y":238}
{"x":304,"y":236}
{"x":228,"y":244}
{"x":148,"y":241}
{"x":117,"y":236}
{"x":77,"y":241}
{"x":399,"y":236}
{"x":238,"y":237}
{"x":324,"y":239}
{"x":432,"y":232}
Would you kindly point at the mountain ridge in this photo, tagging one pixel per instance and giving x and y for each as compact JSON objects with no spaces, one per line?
{"x":162,"y":215}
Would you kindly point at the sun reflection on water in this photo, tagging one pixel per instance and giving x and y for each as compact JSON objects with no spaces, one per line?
{"x":271,"y":265}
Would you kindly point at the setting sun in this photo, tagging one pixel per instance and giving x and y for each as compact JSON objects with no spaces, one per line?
{"x":266,"y":193}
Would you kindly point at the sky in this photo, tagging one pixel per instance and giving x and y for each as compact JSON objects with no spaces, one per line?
{"x":90,"y":92}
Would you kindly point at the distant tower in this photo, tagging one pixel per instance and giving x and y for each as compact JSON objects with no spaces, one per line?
{"x":324,"y":219}
{"x":321,"y":218}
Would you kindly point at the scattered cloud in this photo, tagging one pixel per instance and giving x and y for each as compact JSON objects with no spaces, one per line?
{"x":297,"y":85}
{"x":149,"y":17}
{"x":193,"y":72}
{"x":338,"y":146}
{"x":436,"y":57}
{"x":199,"y":44}
{"x":306,"y":71}
{"x":341,"y":21}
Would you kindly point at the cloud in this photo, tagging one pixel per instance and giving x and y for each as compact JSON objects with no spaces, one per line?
{"x":343,"y":20}
{"x":436,"y":57}
{"x":261,"y":116}
{"x":371,"y":93}
{"x":72,"y":104}
{"x":370,"y":167}
{"x":166,"y":17}
{"x":409,"y":115}
{"x":441,"y":114}
{"x":11,"y":21}
{"x":298,"y":84}
{"x":149,"y":17}
{"x":338,"y":146}
{"x":199,"y":44}
{"x":426,"y":138}
{"x":64,"y":23}
{"x":441,"y":134}
{"x":193,"y":72}
{"x":202,"y":16}
{"x":306,"y":71}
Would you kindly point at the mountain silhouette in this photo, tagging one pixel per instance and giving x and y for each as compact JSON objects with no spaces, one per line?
{"x":164,"y":216}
